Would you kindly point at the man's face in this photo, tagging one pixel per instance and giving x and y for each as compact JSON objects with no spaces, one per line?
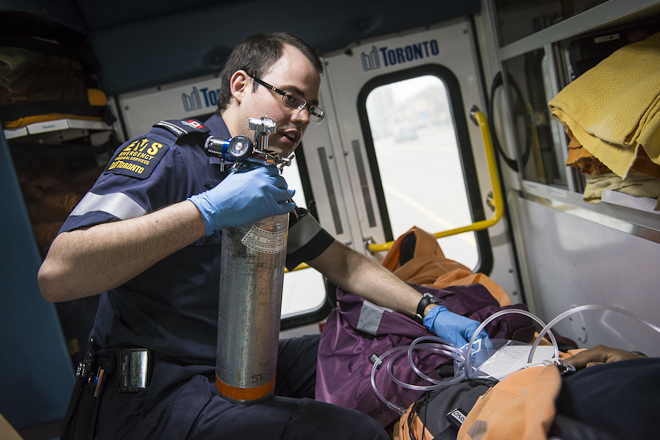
{"x":293,"y":72}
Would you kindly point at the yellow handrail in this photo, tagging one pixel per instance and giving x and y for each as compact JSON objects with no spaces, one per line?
{"x":497,"y":202}
{"x":301,"y":266}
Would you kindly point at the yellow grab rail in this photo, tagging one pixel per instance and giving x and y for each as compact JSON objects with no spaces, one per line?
{"x":497,"y":202}
{"x":301,"y":266}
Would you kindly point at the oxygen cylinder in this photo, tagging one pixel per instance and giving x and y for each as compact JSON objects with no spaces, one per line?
{"x":251,"y":281}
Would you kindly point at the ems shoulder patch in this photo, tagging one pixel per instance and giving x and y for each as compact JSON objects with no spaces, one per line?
{"x":180,"y":127}
{"x":137,"y":159}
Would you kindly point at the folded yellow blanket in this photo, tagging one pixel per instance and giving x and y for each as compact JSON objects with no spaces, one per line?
{"x":636,"y":185}
{"x":612,"y":109}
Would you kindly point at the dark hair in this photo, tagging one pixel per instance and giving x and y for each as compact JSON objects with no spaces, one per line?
{"x":256,"y":55}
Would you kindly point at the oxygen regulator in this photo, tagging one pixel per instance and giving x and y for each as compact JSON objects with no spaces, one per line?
{"x":239,"y":150}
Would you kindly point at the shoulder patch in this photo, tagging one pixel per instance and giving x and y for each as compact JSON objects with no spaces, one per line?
{"x":137,"y":159}
{"x":183,"y":127}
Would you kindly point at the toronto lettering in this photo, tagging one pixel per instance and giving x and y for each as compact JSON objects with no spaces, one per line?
{"x":127,"y":166}
{"x":200,"y":98}
{"x":387,"y":57}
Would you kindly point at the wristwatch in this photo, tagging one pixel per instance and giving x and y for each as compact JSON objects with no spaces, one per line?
{"x":427,"y":299}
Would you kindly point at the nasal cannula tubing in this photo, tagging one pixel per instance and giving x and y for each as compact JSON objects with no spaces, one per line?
{"x":547,"y":328}
{"x":432,"y":347}
{"x":397,"y":350}
{"x":442,"y":346}
{"x":500,"y":313}
{"x":449,"y":349}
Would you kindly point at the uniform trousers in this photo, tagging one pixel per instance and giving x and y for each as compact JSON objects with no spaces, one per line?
{"x":182,"y":402}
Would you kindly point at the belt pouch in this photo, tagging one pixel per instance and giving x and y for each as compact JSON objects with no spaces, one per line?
{"x":81,"y":415}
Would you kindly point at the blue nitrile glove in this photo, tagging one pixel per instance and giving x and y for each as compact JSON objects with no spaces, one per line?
{"x":454,"y":328}
{"x":243,"y":198}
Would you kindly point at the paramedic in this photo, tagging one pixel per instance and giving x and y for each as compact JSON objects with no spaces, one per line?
{"x":147,"y":239}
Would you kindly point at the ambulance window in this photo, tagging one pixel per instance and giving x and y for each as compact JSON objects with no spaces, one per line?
{"x":535,"y":133}
{"x":304,"y":290}
{"x":418,"y":158}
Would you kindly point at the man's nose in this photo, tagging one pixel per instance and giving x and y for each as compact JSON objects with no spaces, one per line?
{"x":301,"y":115}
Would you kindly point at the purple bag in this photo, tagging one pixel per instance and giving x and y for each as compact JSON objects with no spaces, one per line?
{"x":358,"y":329}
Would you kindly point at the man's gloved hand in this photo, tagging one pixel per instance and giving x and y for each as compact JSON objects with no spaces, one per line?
{"x":454,"y":328}
{"x":243,"y":198}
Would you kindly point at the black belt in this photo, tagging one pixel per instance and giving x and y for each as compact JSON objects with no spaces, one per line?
{"x":127,"y":368}
{"x":134,"y":366}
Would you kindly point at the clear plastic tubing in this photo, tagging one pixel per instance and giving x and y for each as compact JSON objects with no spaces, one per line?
{"x":397,"y":352}
{"x":437,"y":348}
{"x":379,"y":361}
{"x":578,"y":309}
{"x":441,"y":346}
{"x":454,"y":352}
{"x":546,"y":329}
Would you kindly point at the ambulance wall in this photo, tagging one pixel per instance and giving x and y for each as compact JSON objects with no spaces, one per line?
{"x":36,"y":375}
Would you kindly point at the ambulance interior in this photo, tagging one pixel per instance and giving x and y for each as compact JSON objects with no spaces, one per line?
{"x":438,"y":118}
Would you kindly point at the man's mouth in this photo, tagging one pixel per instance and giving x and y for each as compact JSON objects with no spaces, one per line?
{"x":294,"y":135}
{"x":291,"y":137}
{"x":284,"y":142}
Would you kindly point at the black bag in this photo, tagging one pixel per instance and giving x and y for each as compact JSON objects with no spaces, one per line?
{"x":437,"y":414}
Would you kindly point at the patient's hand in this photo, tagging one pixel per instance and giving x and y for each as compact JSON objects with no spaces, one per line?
{"x":600,"y":354}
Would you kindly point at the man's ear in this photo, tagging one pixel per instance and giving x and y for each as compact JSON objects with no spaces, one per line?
{"x":239,"y":84}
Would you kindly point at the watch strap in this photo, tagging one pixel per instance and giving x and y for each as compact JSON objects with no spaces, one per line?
{"x":427,"y":299}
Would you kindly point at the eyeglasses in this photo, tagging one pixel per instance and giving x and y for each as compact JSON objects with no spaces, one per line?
{"x":294,"y":101}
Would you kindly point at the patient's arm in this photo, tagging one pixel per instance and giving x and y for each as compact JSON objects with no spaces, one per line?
{"x":600,"y":354}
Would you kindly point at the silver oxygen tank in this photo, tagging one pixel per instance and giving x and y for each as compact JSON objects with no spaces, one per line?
{"x":250,"y":300}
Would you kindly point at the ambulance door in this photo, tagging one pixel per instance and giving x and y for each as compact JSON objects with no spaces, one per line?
{"x":397,"y":148}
